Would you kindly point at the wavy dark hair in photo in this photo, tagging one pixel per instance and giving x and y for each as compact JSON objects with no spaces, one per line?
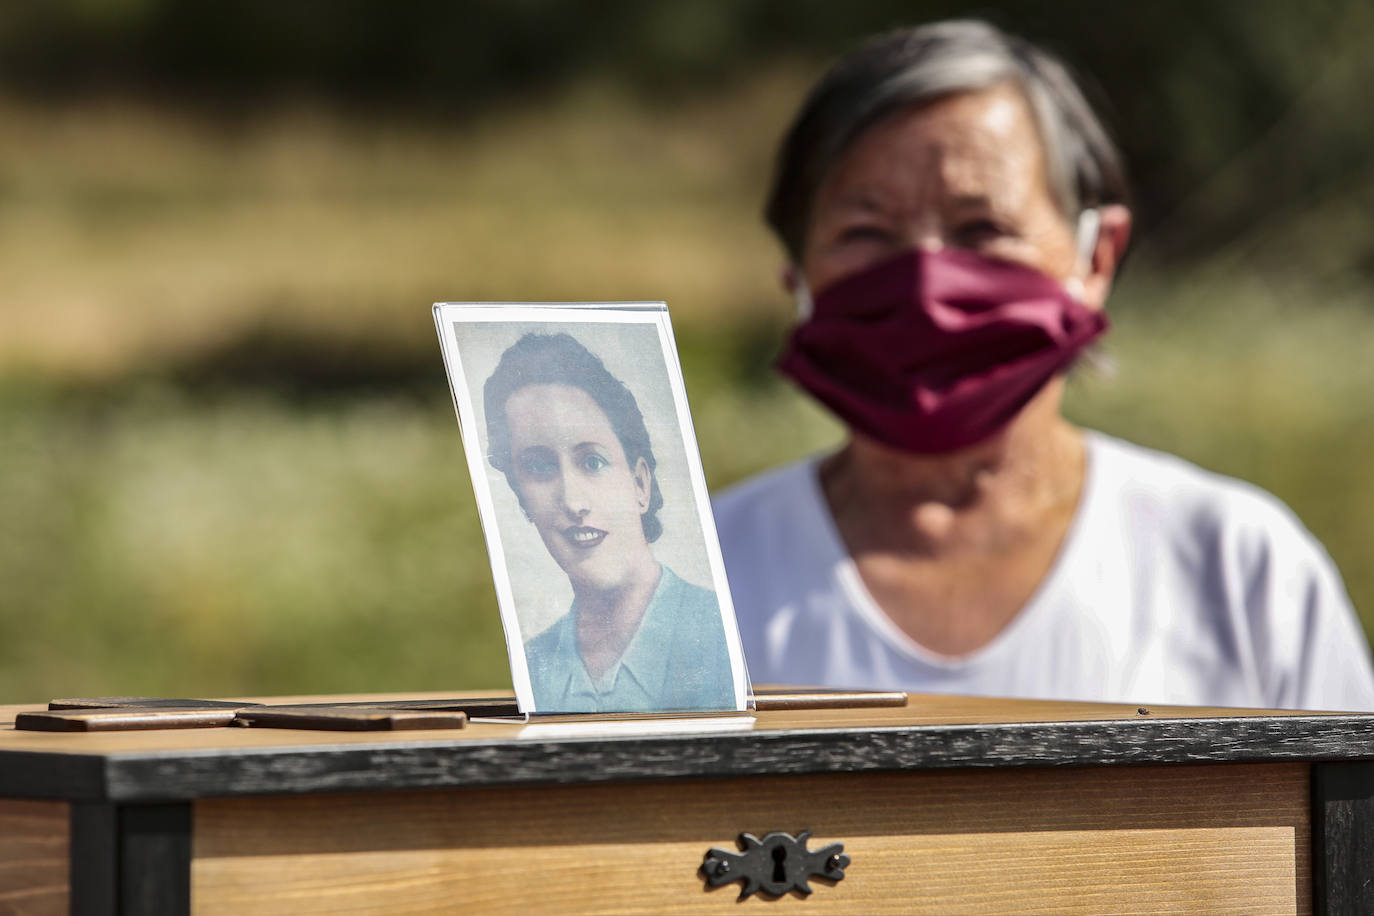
{"x":558,"y":359}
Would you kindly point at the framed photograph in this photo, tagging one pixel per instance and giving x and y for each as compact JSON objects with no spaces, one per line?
{"x":597,"y":520}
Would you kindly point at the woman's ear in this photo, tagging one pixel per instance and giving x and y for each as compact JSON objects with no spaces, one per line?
{"x":1113,"y":235}
{"x":644,"y":484}
{"x":790,"y":277}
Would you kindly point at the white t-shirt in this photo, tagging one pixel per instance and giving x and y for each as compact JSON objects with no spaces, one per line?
{"x":1173,"y":586}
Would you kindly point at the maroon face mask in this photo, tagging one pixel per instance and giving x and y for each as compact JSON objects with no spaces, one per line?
{"x":934,"y":351}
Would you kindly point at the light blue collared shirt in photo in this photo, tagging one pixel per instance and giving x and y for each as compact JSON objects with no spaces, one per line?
{"x":677,"y":659}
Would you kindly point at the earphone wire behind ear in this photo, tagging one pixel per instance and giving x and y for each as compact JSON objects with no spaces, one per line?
{"x":801,"y":294}
{"x":1085,"y":237}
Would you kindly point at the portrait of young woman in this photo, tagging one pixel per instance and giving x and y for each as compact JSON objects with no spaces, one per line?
{"x":616,"y":602}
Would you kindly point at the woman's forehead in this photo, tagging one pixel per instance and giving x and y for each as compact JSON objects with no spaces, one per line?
{"x":972,"y":148}
{"x":556,"y":412}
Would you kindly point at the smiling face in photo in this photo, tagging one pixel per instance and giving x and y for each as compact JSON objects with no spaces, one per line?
{"x":576,"y":484}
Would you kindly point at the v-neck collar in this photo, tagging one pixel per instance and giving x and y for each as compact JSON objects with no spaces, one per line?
{"x":846,"y":571}
{"x":644,"y":658}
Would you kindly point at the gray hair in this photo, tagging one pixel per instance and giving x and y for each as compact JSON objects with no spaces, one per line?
{"x":917,"y":65}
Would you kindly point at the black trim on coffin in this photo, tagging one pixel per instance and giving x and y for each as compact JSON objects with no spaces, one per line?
{"x":94,"y":861}
{"x":130,"y":859}
{"x":64,"y":777}
{"x":438,"y":764}
{"x":1343,"y":837}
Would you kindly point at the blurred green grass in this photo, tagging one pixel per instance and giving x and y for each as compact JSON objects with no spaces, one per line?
{"x":209,"y":544}
{"x":228,"y":459}
{"x":134,"y":238}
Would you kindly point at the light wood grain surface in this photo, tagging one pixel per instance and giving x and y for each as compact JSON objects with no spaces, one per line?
{"x":33,"y":857}
{"x":922,"y":710}
{"x":1230,"y":838}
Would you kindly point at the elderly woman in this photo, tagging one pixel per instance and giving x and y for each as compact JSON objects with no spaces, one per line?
{"x":953,"y":213}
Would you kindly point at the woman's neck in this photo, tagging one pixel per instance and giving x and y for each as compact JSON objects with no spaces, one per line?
{"x":977,"y":499}
{"x":607,"y":619}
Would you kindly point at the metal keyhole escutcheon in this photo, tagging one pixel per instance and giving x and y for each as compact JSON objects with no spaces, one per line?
{"x":776,"y":864}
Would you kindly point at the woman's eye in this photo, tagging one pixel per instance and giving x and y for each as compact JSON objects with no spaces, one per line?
{"x":537,"y":463}
{"x":864,"y":233}
{"x":593,"y":462}
{"x":978,"y":232}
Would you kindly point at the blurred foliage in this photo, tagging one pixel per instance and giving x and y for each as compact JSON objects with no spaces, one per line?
{"x":136,"y":240}
{"x":165,"y":542}
{"x":228,"y":460}
{"x":1190,"y":87}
